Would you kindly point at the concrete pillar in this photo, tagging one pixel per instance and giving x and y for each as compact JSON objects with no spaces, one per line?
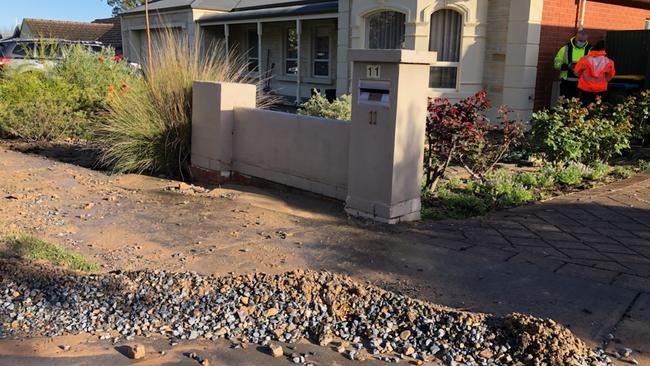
{"x":213,"y":105}
{"x":342,"y":46}
{"x":522,"y":51}
{"x":389,"y":106}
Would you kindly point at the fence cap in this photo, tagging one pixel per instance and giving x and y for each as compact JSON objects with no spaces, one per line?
{"x":393,"y":56}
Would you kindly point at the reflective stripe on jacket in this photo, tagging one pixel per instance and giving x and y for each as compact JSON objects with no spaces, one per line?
{"x":595,"y":71}
{"x":568,"y":54}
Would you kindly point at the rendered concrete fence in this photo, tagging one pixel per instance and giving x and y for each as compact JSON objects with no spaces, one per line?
{"x":299,"y":151}
{"x":230,"y":135}
{"x":374,"y":163}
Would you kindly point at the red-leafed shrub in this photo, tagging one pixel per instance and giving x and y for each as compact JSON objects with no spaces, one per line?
{"x":461,"y":133}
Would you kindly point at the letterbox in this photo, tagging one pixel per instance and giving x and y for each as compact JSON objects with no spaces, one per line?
{"x":389,"y":106}
{"x":374,"y":92}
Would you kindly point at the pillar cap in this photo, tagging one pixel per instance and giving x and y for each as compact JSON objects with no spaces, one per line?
{"x":393,"y":56}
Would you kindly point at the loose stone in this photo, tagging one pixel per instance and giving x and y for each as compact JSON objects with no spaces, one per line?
{"x":135,"y":352}
{"x":276,"y":350}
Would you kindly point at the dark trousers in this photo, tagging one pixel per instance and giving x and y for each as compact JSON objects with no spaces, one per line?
{"x":588,"y":98}
{"x":569,"y":89}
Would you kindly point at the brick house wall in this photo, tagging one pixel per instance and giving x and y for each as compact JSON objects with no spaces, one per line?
{"x":560,"y":19}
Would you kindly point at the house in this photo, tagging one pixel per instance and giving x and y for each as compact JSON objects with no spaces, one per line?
{"x":107,"y":31}
{"x":113,"y":37}
{"x":504,"y":46}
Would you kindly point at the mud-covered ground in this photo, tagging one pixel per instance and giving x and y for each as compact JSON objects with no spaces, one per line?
{"x":131,"y":222}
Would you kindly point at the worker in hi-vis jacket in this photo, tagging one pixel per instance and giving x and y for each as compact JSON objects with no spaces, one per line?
{"x":566,"y":60}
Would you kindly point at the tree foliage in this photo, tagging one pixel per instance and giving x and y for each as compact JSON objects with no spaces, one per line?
{"x":121,"y":5}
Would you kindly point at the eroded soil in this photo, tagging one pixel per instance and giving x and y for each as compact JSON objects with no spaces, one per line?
{"x":131,"y":222}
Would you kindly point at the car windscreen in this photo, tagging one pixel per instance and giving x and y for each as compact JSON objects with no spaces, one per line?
{"x":23,"y":50}
{"x":49,"y":50}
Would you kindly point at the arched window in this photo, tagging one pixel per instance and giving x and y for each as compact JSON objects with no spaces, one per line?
{"x":446,"y":34}
{"x":386,"y":30}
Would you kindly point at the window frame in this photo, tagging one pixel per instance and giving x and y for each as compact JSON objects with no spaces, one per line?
{"x":377,"y":12}
{"x":449,"y":64}
{"x":250,"y":48}
{"x":313,"y":60}
{"x":285,"y":50}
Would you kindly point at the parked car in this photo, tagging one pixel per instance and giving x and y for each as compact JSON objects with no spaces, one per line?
{"x":36,"y":53}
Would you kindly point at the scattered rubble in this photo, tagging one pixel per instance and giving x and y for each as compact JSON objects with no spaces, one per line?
{"x":185,"y":188}
{"x":263,"y":309}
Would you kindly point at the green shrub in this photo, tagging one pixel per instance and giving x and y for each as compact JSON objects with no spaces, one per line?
{"x":457,"y":200}
{"x":94,"y":75}
{"x":319,"y":106}
{"x":35,"y":105}
{"x":542,"y":179}
{"x":454,"y":202}
{"x":644,"y":165}
{"x":504,"y":190}
{"x":622,"y":172}
{"x":528,"y":179}
{"x":599,"y":171}
{"x":571,"y":132}
{"x":571,"y":175}
{"x":546,"y":178}
{"x":640,"y":115}
{"x":62,"y":100}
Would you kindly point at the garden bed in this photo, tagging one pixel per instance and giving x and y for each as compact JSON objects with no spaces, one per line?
{"x":461,"y":197}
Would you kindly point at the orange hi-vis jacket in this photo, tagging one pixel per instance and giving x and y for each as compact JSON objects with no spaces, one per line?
{"x":594,"y":72}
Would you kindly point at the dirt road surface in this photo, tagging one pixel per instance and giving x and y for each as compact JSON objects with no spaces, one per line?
{"x":132,"y":222}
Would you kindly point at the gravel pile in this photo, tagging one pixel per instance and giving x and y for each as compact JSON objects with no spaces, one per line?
{"x":363,"y":320}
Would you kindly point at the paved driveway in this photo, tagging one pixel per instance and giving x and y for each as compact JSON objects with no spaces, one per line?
{"x":602,"y":234}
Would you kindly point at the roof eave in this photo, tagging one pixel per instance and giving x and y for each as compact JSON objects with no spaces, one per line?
{"x":136,"y":11}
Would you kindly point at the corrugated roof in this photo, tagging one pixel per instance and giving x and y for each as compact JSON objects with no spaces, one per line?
{"x":73,"y":31}
{"x":276,"y":12}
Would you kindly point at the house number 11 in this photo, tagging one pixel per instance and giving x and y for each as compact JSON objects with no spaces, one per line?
{"x":373,"y":72}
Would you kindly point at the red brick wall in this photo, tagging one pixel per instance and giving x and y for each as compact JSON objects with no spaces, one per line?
{"x":559,"y":22}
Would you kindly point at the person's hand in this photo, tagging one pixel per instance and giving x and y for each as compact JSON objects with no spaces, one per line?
{"x":572,"y":66}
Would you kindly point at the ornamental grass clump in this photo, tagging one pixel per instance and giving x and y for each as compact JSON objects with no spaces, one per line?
{"x":148,"y":127}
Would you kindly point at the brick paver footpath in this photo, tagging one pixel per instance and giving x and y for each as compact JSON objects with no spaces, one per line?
{"x":602,"y":234}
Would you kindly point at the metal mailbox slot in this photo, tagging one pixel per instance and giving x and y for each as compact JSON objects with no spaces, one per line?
{"x":374,"y":92}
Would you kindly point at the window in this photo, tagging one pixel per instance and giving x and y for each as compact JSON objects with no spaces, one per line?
{"x":386,"y":30}
{"x":291,"y":52}
{"x":322,"y":43}
{"x":647,"y":24}
{"x":253,"y":51}
{"x":445,"y":37}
